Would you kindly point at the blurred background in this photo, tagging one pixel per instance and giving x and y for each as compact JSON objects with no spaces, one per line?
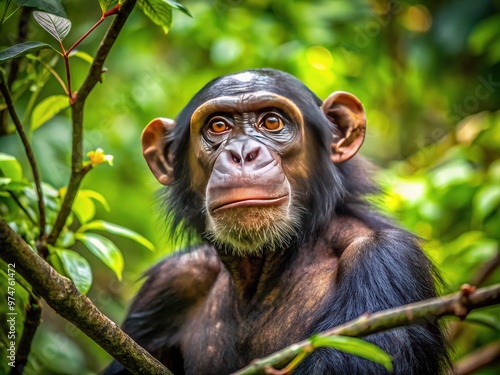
{"x":428,"y":73}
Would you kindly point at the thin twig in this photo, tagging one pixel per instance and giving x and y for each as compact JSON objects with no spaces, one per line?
{"x":68,"y":72}
{"x":457,"y":328}
{"x":105,"y":15}
{"x":479,"y":359}
{"x":55,"y":75}
{"x":78,"y":170}
{"x":18,"y":202}
{"x":29,"y":153}
{"x":486,"y":270}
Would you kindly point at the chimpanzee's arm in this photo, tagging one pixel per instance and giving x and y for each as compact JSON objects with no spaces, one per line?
{"x":381,"y":271}
{"x":158,"y":312}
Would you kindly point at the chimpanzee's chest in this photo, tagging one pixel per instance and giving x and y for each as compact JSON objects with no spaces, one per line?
{"x":222,"y":336}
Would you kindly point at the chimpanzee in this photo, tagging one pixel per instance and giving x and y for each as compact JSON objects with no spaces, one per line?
{"x":263,"y":172}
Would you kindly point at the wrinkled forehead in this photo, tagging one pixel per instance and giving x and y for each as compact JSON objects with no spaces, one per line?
{"x":242,"y":103}
{"x":245,"y":82}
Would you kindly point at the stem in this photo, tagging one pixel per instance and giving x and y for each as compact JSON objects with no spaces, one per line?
{"x":56,"y":76}
{"x":75,"y":180}
{"x":68,"y":71}
{"x":7,"y":4}
{"x":29,"y":153}
{"x":31,"y":323}
{"x":78,"y":171}
{"x":103,"y":17}
{"x":18,"y":202}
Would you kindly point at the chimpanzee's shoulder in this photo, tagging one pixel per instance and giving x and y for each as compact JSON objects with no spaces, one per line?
{"x":190,"y":273}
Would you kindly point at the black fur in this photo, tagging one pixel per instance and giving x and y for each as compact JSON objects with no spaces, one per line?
{"x":380,"y":267}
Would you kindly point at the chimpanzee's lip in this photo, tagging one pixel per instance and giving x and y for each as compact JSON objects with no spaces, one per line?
{"x":250,"y":202}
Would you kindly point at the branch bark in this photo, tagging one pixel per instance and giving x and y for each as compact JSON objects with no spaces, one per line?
{"x":457,"y":304}
{"x":61,"y":294}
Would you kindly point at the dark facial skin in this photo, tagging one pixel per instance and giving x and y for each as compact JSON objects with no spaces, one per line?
{"x":245,"y":141}
{"x":264,"y":173}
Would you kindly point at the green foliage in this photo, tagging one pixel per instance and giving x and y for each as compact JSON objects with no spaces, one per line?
{"x":72,"y":265}
{"x":58,"y":27}
{"x":105,"y":250}
{"x":106,"y":4}
{"x":158,"y":11}
{"x":47,"y":109}
{"x":355,"y":346}
{"x":117,"y":229}
{"x":22,"y":49}
{"x":10,"y":167}
{"x":50,"y":6}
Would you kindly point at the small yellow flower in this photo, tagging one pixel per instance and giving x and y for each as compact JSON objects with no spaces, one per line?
{"x":98,"y":157}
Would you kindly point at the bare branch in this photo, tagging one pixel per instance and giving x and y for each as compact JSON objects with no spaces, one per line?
{"x":457,"y":328}
{"x":479,"y":359}
{"x":29,"y":152}
{"x":486,"y":270}
{"x":457,"y":304}
{"x":61,"y":294}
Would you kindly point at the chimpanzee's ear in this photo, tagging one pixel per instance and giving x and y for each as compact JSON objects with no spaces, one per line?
{"x":347,"y":113}
{"x":157,"y":149}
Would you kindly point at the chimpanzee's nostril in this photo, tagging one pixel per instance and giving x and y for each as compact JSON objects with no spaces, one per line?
{"x":252,"y":155}
{"x":236,"y":158}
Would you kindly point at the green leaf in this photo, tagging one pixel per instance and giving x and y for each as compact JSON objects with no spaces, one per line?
{"x":96,"y":196}
{"x":49,"y":6}
{"x":47,"y":109}
{"x":117,"y":229}
{"x":66,"y":239}
{"x":56,"y":26}
{"x":10,"y":167}
{"x":22,"y":49}
{"x":157,"y":11}
{"x":106,"y":4}
{"x":83,"y":208}
{"x":484,"y":34}
{"x":4,"y":181}
{"x":354,"y":345}
{"x":104,"y":249}
{"x":487,"y":320}
{"x":82,"y":56}
{"x":76,"y":268}
{"x":180,"y":7}
{"x":487,"y":200}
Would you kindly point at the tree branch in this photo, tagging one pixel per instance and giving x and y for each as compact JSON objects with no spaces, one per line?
{"x":61,"y":294}
{"x":457,"y":304}
{"x":457,"y":328}
{"x":78,"y":171}
{"x":486,"y":270}
{"x":478,"y":359}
